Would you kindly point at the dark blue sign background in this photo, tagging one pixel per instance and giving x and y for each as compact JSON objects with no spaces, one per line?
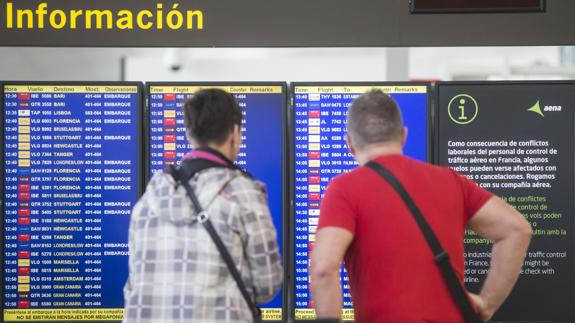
{"x":84,"y":153}
{"x":261,"y":153}
{"x":328,"y":111}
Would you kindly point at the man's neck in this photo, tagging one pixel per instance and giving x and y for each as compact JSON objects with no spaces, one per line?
{"x":222,"y":150}
{"x":370,"y":153}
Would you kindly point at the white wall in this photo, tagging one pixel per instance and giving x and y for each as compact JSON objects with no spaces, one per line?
{"x":278,"y":64}
{"x":60,"y":64}
{"x":485,"y":63}
{"x":284,"y":64}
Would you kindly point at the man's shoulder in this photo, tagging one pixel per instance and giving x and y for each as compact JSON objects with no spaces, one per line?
{"x":244,"y":189}
{"x":419,"y":173}
{"x":402,"y":167}
{"x":409,"y":164}
{"x":349,"y":177}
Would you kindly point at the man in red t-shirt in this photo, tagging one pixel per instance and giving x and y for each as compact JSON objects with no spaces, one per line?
{"x":393,"y":275}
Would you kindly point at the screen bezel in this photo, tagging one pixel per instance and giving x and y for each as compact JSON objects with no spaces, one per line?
{"x":430,"y":117}
{"x":415,"y":10}
{"x":285,"y":162}
{"x":140,"y":156}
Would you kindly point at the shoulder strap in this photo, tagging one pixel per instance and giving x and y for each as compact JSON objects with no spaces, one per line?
{"x":195,"y":165}
{"x":440,"y":255}
{"x":182,"y":177}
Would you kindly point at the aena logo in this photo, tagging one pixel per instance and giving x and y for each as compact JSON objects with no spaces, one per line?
{"x":536,"y":108}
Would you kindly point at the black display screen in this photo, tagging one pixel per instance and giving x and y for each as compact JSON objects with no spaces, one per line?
{"x":517,"y":140}
{"x":441,"y":6}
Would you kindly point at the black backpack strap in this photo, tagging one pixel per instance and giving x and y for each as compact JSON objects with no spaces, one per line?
{"x":196,"y":165}
{"x":182,"y":177}
{"x":441,"y":257}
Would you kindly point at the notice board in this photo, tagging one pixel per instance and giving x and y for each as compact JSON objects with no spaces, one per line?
{"x":517,"y":141}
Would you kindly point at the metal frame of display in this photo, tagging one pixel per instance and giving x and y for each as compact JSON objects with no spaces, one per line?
{"x":430,"y":110}
{"x":140,"y":141}
{"x":414,"y":10}
{"x":285,"y":161}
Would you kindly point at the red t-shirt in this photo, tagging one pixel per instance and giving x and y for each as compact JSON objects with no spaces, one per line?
{"x":393,"y":276}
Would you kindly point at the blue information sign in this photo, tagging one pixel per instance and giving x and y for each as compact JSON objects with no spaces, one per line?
{"x":261,"y":153}
{"x":72,"y":173}
{"x":320,"y":153}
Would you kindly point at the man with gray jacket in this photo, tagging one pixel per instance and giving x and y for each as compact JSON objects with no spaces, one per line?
{"x":176,"y":271}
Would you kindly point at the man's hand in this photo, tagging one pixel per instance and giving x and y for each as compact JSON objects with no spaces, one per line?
{"x":484,"y":311}
{"x":510,"y":233}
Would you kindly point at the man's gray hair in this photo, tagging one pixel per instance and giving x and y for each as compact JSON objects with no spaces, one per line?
{"x":373,"y":118}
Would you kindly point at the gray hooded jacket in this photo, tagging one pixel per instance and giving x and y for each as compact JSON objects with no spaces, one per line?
{"x":176,"y":272}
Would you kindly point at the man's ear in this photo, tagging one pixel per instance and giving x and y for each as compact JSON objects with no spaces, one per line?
{"x":349,"y":143}
{"x":236,"y":136}
{"x":192,"y":142}
{"x":404,"y":136}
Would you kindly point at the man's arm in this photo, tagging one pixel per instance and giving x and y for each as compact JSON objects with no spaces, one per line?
{"x":511,"y":234}
{"x":330,"y":246}
{"x":261,"y":246}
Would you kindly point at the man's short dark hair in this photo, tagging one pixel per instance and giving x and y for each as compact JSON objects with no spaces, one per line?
{"x":374,"y":117}
{"x":210,"y":116}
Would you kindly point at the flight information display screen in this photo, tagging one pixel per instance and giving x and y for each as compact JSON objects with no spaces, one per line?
{"x":320,"y":112}
{"x":261,"y":152}
{"x":72,"y":172}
